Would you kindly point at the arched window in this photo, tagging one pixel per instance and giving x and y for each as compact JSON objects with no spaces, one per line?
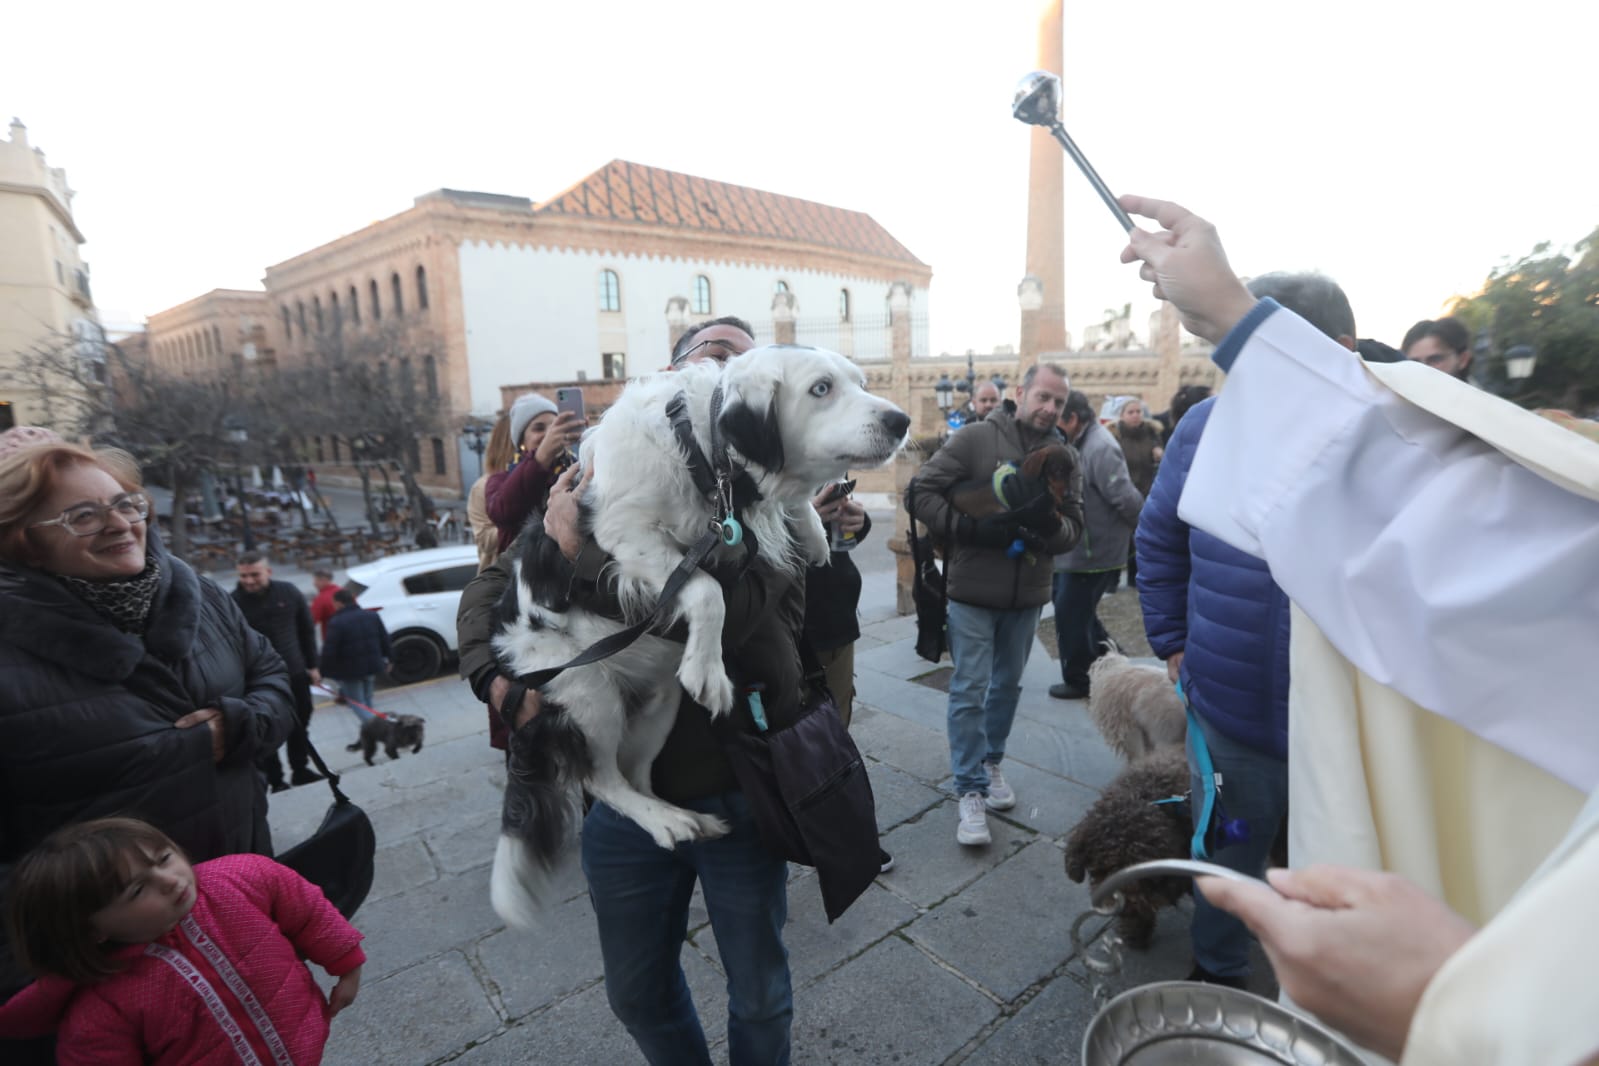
{"x":355,"y":306}
{"x":430,"y":376}
{"x":843,"y":305}
{"x":299,"y":307}
{"x":702,"y":295}
{"x":407,"y":380}
{"x":781,"y":286}
{"x":422,"y":289}
{"x":377,"y":311}
{"x":216,"y":335}
{"x":610,"y":291}
{"x":399,"y":297}
{"x":338,"y":314}
{"x":383,"y":377}
{"x":319,"y":453}
{"x":288,"y":327}
{"x":334,"y":440}
{"x":438,"y":455}
{"x":316,"y":309}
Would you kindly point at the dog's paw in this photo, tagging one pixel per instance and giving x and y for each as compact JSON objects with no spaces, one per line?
{"x":709,"y":686}
{"x":711,"y":826}
{"x":670,"y":826}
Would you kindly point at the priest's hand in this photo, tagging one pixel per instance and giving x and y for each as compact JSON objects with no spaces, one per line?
{"x":1354,"y":947}
{"x":1189,"y":267}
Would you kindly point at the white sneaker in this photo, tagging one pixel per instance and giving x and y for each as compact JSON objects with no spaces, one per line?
{"x":1001,"y":797}
{"x":973,"y":828}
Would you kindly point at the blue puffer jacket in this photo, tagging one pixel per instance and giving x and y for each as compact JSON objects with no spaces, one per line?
{"x":1215,"y":604}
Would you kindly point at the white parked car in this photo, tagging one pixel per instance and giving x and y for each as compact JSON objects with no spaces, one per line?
{"x":417,"y":594}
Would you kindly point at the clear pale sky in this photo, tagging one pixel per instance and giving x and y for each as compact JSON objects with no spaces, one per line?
{"x":1403,"y":147}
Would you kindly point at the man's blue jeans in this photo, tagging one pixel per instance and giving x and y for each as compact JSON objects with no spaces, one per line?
{"x":1254,"y":788}
{"x":990,"y":649}
{"x":641,"y":892}
{"x":357,"y":690}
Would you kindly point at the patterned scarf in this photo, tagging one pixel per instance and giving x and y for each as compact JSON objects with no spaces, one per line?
{"x":125,"y":601}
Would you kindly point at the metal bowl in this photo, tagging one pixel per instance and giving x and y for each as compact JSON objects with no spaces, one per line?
{"x":1184,"y":1023}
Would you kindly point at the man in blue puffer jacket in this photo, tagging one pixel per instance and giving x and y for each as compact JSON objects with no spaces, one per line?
{"x":1221,"y":623}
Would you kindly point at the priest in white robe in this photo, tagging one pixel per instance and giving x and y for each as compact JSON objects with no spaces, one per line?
{"x":1441,"y":548}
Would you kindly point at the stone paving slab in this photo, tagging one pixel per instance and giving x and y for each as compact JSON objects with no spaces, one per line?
{"x":976,"y":928}
{"x":930,"y":866}
{"x":417,"y":1015}
{"x":891,"y":1005}
{"x":578,"y":1030}
{"x":533,"y":969}
{"x":899,"y":796}
{"x":413,"y":926}
{"x":913,"y":748}
{"x":1047,"y":1031}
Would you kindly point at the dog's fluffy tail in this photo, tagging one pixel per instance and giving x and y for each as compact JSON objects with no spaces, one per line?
{"x":539,"y":816}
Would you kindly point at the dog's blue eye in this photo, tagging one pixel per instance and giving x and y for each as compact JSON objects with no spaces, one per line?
{"x":821,"y":388}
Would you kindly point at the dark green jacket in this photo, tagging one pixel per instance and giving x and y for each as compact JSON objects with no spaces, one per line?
{"x":985,"y":577}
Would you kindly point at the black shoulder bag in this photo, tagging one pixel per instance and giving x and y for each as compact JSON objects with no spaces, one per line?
{"x":338,"y":857}
{"x":928,"y":586}
{"x":808,"y":790}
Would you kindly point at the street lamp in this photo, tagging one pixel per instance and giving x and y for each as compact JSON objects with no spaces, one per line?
{"x":945,"y":391}
{"x":239,"y":437}
{"x":1519,"y":362}
{"x":477,"y":441}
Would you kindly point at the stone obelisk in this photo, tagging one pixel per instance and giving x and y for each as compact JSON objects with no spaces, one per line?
{"x":1043,"y":292}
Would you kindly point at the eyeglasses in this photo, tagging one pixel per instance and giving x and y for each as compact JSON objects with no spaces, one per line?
{"x":87,"y":519}
{"x":723,"y":352}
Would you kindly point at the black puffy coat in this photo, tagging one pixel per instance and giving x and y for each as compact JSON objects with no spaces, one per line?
{"x":87,"y":713}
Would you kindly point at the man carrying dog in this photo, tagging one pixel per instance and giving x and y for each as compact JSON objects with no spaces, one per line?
{"x":641,"y":892}
{"x":1221,"y":623}
{"x":998,"y":581}
{"x":277,"y":610}
{"x":1083,"y":575}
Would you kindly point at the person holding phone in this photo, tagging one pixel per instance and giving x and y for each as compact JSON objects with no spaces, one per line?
{"x":544,"y":437}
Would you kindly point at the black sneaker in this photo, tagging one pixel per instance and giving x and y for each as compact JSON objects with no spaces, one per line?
{"x":1064,"y":691}
{"x":885,"y":861}
{"x":279,"y":785}
{"x":1201,"y":974}
{"x":304,"y":776}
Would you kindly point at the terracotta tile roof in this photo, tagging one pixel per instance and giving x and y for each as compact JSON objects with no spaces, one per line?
{"x":631,"y":192}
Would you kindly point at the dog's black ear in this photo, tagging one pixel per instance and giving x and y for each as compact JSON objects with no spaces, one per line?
{"x":753,"y":433}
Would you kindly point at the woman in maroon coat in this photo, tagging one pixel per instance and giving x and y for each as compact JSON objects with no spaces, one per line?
{"x":543,"y":439}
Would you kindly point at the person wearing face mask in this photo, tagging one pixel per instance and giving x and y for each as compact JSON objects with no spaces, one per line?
{"x":132,"y":686}
{"x":543,"y":439}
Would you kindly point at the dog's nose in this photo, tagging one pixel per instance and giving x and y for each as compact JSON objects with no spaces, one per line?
{"x":896,"y":422}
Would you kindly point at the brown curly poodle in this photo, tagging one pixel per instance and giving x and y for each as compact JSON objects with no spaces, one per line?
{"x":1126,"y":826}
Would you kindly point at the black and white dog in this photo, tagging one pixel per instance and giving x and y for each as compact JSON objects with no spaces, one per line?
{"x":791,"y":419}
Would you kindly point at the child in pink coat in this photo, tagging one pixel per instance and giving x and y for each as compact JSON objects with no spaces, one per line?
{"x":143,"y":958}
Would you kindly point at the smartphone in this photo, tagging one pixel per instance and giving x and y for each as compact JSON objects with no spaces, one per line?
{"x":570,"y":399}
{"x":838,"y":490}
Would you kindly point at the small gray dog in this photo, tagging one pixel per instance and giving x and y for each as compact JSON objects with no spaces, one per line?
{"x":1136,"y":708}
{"x":393,"y":732}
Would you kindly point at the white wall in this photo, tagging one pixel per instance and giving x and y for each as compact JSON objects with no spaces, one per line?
{"x":532,"y":314}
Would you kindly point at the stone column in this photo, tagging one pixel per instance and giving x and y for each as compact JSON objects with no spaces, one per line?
{"x":1046,"y":213}
{"x":910,"y":457}
{"x":783,"y":308}
{"x":1030,"y":297}
{"x":677,"y":321}
{"x":1167,"y":343}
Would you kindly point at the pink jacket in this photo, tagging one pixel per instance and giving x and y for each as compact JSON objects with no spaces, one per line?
{"x":226,"y":986}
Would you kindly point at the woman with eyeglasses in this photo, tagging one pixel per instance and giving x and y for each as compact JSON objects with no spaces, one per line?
{"x":128,"y":685}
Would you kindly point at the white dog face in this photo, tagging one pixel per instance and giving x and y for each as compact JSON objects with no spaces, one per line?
{"x":805,"y":413}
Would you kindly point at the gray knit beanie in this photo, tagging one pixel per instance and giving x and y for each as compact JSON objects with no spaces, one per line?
{"x":525,"y":410}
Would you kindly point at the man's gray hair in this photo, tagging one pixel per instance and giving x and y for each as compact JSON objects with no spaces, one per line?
{"x":1316,"y":298}
{"x":1053,"y":368}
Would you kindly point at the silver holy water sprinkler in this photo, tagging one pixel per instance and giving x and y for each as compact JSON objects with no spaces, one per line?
{"x":1037,"y":103}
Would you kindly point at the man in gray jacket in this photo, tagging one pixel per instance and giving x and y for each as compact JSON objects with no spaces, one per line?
{"x":998,"y":580}
{"x":1082,"y":576}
